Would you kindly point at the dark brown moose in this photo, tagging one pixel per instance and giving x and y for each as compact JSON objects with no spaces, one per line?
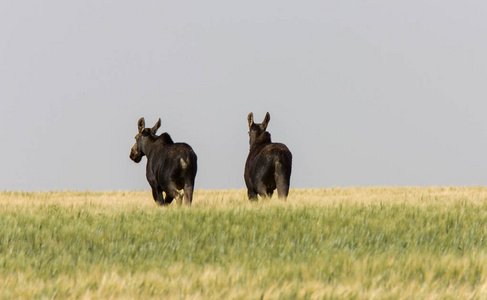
{"x":170,"y":166}
{"x":268,"y":165}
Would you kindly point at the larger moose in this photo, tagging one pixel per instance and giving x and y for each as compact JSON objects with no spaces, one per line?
{"x":268,"y":165}
{"x":170,"y":166}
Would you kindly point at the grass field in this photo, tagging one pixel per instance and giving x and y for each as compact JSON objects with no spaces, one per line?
{"x":338,"y":243}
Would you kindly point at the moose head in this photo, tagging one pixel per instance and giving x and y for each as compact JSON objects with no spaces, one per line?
{"x":256,"y":130}
{"x":142,"y":139}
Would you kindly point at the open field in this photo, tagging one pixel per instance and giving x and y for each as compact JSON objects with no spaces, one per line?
{"x":337,"y":243}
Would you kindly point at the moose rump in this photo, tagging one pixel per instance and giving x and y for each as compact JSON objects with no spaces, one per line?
{"x":172,"y":169}
{"x":268,"y":165}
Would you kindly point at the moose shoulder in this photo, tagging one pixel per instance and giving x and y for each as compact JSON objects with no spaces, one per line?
{"x":171,"y":167}
{"x":268,"y":164}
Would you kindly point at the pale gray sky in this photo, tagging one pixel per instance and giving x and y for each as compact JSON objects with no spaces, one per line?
{"x":364,"y":93}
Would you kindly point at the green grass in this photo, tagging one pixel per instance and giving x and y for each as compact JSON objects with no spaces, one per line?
{"x":84,"y":248}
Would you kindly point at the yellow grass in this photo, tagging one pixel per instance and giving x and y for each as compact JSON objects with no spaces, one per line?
{"x":228,"y":199}
{"x":387,"y":274}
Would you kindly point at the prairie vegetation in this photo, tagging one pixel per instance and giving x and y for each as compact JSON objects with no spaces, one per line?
{"x":340,"y":243}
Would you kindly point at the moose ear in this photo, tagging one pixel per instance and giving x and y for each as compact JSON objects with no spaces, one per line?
{"x":157,"y":126}
{"x":141,"y":124}
{"x":266,"y":120}
{"x":250,"y":119}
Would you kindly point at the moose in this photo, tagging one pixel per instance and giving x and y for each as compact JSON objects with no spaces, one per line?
{"x":170,"y":166}
{"x":268,"y":165}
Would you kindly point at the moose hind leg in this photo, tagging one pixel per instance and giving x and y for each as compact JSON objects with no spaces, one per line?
{"x":188,"y":194}
{"x":262,"y":190}
{"x":188,"y":189}
{"x":168,"y":200}
{"x":173,"y":192}
{"x":282,"y":186}
{"x":252,"y":194}
{"x":282,"y":178}
{"x":283,"y":190}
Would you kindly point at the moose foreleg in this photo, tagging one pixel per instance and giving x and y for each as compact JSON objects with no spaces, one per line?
{"x":157,"y":194}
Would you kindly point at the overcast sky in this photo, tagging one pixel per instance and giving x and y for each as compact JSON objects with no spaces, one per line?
{"x":364,"y":93}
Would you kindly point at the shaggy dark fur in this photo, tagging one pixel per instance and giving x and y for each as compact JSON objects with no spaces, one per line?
{"x":170,"y":166}
{"x":268,"y":165}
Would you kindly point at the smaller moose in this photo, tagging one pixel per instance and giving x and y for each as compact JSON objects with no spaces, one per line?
{"x":268,"y":165}
{"x":170,"y":166}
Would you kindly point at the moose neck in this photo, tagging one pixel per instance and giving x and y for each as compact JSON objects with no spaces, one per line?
{"x":263,"y":139}
{"x":165,"y":139}
{"x":148,"y":145}
{"x":157,"y":142}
